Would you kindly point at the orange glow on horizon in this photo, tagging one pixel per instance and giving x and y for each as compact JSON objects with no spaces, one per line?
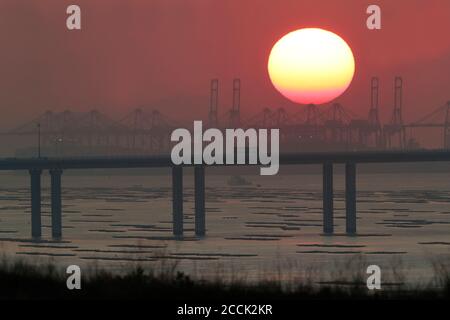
{"x":311,"y":66}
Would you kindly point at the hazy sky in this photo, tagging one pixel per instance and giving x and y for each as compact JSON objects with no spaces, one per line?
{"x":163,"y":53}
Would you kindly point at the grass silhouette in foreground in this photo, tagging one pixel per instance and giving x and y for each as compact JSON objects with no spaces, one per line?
{"x":21,"y":280}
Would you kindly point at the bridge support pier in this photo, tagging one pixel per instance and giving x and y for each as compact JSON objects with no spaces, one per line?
{"x":350,"y":197}
{"x":199,"y":201}
{"x":177,"y":201}
{"x":35,"y":175}
{"x":56,"y":203}
{"x":328,"y":198}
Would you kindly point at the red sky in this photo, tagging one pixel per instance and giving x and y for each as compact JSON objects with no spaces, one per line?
{"x":163,"y":53}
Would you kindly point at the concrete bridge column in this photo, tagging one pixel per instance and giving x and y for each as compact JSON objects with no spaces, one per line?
{"x":35,"y":175}
{"x":350,"y":197}
{"x":56,"y":203}
{"x":328,"y":198}
{"x":177,"y":200}
{"x":199,"y":201}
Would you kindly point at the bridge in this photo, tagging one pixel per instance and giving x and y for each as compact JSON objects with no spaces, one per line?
{"x":56,"y":166}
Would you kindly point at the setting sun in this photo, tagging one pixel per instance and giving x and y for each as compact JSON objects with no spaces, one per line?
{"x":311,"y":66}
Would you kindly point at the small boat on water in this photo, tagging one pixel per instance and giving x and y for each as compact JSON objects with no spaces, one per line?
{"x":238,"y":181}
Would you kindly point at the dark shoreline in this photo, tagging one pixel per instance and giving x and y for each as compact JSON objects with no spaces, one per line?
{"x":21,"y":281}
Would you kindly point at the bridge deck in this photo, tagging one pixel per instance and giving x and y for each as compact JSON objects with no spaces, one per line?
{"x":165,"y":161}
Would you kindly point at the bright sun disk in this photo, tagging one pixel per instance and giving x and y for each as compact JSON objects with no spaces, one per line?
{"x":311,"y":66}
